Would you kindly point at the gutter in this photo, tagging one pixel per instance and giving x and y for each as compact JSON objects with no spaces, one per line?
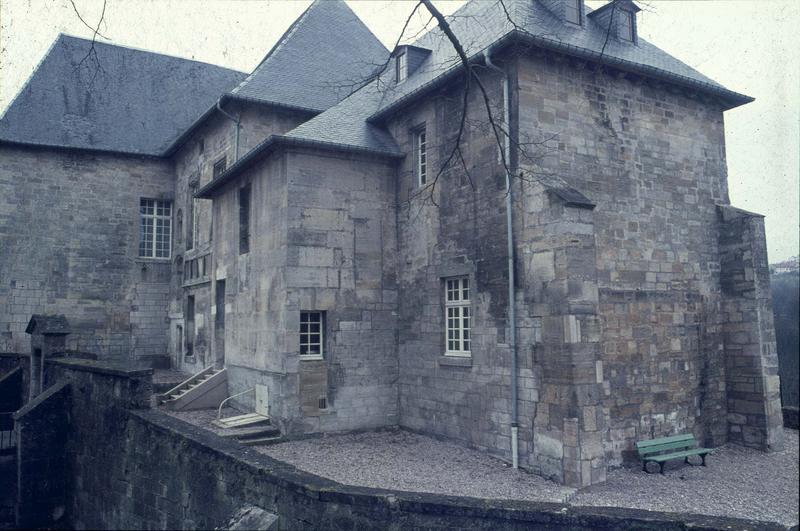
{"x":272,"y":143}
{"x":236,"y":120}
{"x":512,"y":309}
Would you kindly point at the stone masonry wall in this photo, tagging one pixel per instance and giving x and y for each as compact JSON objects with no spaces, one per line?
{"x":194,"y":163}
{"x":322,"y":239}
{"x":652,"y":160}
{"x":751,"y":357}
{"x":452,"y":229}
{"x":131,"y":467}
{"x":69,"y":237}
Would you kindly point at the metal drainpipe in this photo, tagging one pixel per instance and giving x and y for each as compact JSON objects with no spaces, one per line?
{"x":237,"y":121}
{"x":512,"y":310}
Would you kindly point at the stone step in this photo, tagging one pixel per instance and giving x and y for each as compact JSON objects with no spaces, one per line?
{"x":262,"y":440}
{"x":241,"y":421}
{"x":253,"y":432}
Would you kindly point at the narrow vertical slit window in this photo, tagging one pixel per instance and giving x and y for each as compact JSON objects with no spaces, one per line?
{"x":421,"y":152}
{"x":244,"y":219}
{"x":458,"y":317}
{"x":155,"y":229}
{"x":312,"y":334}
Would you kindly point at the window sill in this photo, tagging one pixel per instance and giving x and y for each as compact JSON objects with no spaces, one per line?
{"x":197,"y":282}
{"x":146,"y":260}
{"x":312,"y":357}
{"x":455,"y":360}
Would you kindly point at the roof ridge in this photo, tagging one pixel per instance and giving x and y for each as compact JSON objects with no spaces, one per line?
{"x":62,"y":35}
{"x":282,"y":40}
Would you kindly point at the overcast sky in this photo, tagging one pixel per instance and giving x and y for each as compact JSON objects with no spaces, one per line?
{"x":750,"y":46}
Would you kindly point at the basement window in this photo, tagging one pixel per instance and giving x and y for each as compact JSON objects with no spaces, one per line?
{"x":458,"y":316}
{"x":155,"y":228}
{"x":312,"y":325}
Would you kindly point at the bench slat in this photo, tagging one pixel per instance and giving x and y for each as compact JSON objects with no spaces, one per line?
{"x":665,"y":440}
{"x":676,"y":455}
{"x":668,"y":446}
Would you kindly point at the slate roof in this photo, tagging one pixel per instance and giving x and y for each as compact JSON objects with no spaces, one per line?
{"x":136,"y":102}
{"x":324,"y":56}
{"x":479,"y":25}
{"x":55,"y":324}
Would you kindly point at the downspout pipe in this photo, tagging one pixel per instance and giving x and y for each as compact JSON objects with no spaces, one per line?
{"x":236,"y":120}
{"x":512,"y":310}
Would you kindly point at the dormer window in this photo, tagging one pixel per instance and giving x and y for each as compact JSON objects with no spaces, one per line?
{"x":402,"y":66}
{"x":618,"y":17}
{"x":625,"y":26}
{"x":407,"y":60}
{"x":573,"y":11}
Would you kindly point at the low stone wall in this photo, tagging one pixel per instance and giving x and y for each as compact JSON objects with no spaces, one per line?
{"x":42,"y":432}
{"x":130,"y":466}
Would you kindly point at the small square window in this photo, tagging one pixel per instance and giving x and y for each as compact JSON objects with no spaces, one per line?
{"x":312,"y":334}
{"x":219,"y":166}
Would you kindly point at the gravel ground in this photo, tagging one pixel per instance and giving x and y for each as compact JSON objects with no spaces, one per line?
{"x":397,"y":459}
{"x":738,"y":482}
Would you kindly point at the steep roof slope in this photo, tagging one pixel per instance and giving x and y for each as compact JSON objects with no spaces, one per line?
{"x":119,"y":99}
{"x":479,"y":24}
{"x":325,"y":55}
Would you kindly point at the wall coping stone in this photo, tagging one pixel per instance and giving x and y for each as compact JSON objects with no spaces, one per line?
{"x":40,"y":399}
{"x":102,"y":367}
{"x":326,"y":490}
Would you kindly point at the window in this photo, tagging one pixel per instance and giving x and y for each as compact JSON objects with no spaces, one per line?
{"x":219,"y":166}
{"x":402,"y":67}
{"x":197,"y":269}
{"x":155,"y":235}
{"x":311,"y":334}
{"x":626,"y":26}
{"x":457,"y":316}
{"x":191,"y":216}
{"x":421,"y":150}
{"x":201,"y":146}
{"x":572,"y":11}
{"x":244,"y":219}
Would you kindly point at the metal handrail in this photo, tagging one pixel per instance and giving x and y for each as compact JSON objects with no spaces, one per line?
{"x":219,"y":411}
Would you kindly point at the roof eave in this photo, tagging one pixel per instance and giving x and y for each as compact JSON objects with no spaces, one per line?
{"x":84,"y":149}
{"x":211,"y":189}
{"x":184,"y":137}
{"x":730,"y":98}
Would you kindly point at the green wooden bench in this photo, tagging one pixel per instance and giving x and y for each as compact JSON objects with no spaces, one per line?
{"x":666,"y":448}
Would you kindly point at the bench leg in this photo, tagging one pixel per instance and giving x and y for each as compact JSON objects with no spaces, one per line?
{"x":703,"y":456}
{"x":661,"y":464}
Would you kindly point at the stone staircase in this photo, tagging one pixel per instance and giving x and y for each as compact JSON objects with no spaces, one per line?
{"x":250,"y":429}
{"x":203,"y":390}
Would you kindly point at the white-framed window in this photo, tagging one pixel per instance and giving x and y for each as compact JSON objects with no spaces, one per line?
{"x":421,"y":155}
{"x":626,"y":26}
{"x":402,"y":66}
{"x":572,"y":11}
{"x":155,"y":228}
{"x":219,"y":166}
{"x":312,"y":334}
{"x":458,"y":317}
